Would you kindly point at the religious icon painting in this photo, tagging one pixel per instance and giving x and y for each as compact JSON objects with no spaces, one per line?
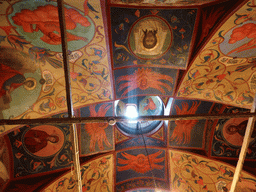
{"x":20,"y":82}
{"x":40,"y":148}
{"x":43,"y":36}
{"x":31,"y":59}
{"x":151,"y":37}
{"x":228,"y":136}
{"x":138,"y":163}
{"x":144,"y":81}
{"x":188,"y":133}
{"x":43,"y":141}
{"x":241,"y":47}
{"x":96,"y":137}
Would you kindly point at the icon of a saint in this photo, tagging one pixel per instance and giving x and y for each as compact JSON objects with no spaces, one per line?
{"x":36,"y":140}
{"x":149,"y":36}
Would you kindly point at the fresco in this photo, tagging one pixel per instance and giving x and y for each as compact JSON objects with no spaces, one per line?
{"x":143,"y":106}
{"x":191,"y":172}
{"x":224,"y":69}
{"x":129,"y":134}
{"x":97,"y":175}
{"x":99,"y":135}
{"x":146,"y":190}
{"x":134,"y":163}
{"x":157,"y":38}
{"x":143,"y":183}
{"x":157,"y":139}
{"x":44,"y":36}
{"x":188,"y":133}
{"x":144,"y":81}
{"x":21,"y":77}
{"x":40,"y":148}
{"x":34,"y":86}
{"x":4,"y":163}
{"x":161,"y":2}
{"x":229,"y":134}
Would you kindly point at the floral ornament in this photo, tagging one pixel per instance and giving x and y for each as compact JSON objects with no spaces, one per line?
{"x":182,"y":31}
{"x":18,"y":155}
{"x":104,"y":94}
{"x":46,"y":107}
{"x":52,"y":162}
{"x":61,"y":101}
{"x":17,"y":41}
{"x":36,"y":165}
{"x":63,"y":157}
{"x":43,"y":55}
{"x":174,"y":19}
{"x":137,"y":13}
{"x":17,"y":143}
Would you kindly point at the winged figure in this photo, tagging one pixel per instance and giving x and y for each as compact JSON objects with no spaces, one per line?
{"x":140,"y":163}
{"x":97,"y":130}
{"x":182,"y":132}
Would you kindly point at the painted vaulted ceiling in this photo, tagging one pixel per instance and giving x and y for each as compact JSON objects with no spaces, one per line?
{"x":157,"y":57}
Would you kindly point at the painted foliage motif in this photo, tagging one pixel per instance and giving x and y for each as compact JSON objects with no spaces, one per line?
{"x":160,"y":2}
{"x":188,"y":133}
{"x":136,"y":163}
{"x":34,"y":85}
{"x":229,"y":134}
{"x":99,"y":135}
{"x":97,"y":175}
{"x":4,"y":163}
{"x":133,"y":185}
{"x":145,"y":190}
{"x":190,"y":172}
{"x":145,"y":80}
{"x":37,"y":149}
{"x":151,"y":37}
{"x":224,"y":71}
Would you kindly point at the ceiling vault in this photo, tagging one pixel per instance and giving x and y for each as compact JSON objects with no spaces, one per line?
{"x":153,"y":154}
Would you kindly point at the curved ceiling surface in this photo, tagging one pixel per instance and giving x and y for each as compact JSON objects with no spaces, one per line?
{"x":161,"y":57}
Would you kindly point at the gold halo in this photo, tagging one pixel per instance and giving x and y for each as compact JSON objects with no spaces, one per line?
{"x":30,"y":88}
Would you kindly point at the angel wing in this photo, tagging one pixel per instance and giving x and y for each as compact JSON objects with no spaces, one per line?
{"x":153,"y":159}
{"x":182,"y":132}
{"x":127,"y":162}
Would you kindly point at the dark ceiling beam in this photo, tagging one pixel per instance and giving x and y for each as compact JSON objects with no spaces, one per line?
{"x":111,"y":120}
{"x":73,"y":131}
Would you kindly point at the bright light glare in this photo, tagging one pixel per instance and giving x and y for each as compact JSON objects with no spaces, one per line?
{"x":131,"y":111}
